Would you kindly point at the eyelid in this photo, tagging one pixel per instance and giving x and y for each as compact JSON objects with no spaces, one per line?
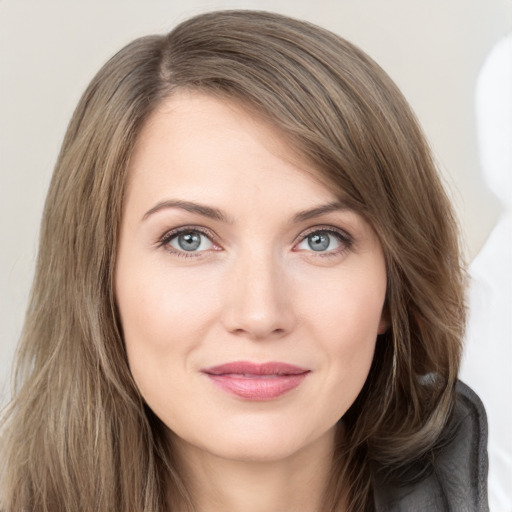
{"x":345,"y":238}
{"x":344,"y":235}
{"x":174,"y":232}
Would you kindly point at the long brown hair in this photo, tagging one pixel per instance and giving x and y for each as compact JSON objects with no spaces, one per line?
{"x":77,"y":435}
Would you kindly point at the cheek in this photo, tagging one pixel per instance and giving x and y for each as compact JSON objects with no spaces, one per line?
{"x":349,"y":306}
{"x":346,"y":325}
{"x":164,"y":316}
{"x":156,"y":304}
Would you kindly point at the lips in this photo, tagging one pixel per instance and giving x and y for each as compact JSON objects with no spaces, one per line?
{"x":253,"y":381}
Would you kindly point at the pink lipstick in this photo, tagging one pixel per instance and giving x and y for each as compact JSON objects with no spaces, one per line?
{"x":253,"y":381}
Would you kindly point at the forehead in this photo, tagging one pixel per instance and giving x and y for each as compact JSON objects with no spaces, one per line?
{"x":196,"y":144}
{"x":187,"y":115}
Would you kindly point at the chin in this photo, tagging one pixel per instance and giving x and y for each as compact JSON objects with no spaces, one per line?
{"x":260,"y":442}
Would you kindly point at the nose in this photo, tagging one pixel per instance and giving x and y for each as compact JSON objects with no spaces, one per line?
{"x":258,"y":302}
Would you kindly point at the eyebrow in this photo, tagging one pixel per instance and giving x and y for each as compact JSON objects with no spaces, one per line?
{"x":189,"y":206}
{"x":219,"y":215}
{"x":335,"y":206}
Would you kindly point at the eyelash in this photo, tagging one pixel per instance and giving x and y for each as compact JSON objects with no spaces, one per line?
{"x":344,"y":238}
{"x":171,"y":235}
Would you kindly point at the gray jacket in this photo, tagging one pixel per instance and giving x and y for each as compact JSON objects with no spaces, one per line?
{"x":458,"y":482}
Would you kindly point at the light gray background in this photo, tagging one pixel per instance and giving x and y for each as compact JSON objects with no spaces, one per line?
{"x":433,"y":49}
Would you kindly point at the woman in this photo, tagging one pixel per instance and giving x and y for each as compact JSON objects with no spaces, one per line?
{"x":248,"y":293}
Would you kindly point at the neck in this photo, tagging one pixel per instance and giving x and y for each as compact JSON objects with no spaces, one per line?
{"x":296,"y":483}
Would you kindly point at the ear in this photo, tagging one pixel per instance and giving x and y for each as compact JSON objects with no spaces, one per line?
{"x":384,"y":323}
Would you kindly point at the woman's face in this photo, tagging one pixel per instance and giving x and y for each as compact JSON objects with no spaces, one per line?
{"x":250,"y":296}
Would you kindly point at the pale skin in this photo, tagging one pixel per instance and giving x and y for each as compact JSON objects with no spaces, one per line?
{"x":231,"y":249}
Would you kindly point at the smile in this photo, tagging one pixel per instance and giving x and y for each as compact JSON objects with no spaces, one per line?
{"x":257,"y":382}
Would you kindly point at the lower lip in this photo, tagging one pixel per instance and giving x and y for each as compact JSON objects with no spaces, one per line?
{"x":257,"y":387}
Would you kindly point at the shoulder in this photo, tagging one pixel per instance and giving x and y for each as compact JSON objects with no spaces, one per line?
{"x":458,"y":480}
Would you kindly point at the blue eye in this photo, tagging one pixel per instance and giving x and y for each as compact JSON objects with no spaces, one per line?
{"x":323,"y":241}
{"x":189,"y":241}
{"x":319,"y":241}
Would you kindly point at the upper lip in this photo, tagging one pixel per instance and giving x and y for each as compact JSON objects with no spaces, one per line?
{"x":249,"y":368}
